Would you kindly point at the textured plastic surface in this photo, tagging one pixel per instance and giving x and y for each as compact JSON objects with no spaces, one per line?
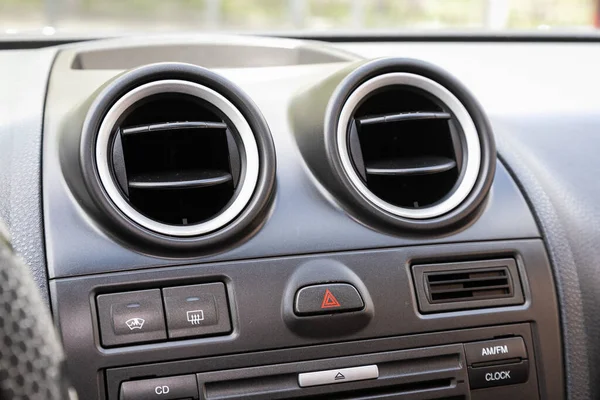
{"x":32,"y":360}
{"x":257,"y":291}
{"x":569,"y":223}
{"x":23,"y":83}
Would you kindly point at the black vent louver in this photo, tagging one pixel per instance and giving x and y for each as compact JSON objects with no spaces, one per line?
{"x":175,"y":159}
{"x":468,"y":285}
{"x":459,"y":286}
{"x":405,"y":147}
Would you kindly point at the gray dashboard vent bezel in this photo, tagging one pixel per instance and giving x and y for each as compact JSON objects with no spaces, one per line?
{"x":160,"y":241}
{"x":448,"y":216}
{"x":467,"y":132}
{"x":250,"y":163}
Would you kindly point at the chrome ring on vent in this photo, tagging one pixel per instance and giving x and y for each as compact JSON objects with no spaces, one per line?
{"x":469,"y":132}
{"x":249,"y":156}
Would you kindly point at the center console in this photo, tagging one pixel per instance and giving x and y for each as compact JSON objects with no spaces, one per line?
{"x":321,"y":227}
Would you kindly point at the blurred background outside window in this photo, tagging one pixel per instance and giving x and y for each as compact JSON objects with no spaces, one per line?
{"x":117,"y":16}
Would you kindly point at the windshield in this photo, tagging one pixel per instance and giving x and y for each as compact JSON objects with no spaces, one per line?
{"x":97,"y":17}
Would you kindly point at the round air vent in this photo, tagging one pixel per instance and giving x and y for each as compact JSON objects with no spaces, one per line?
{"x":168,"y":156}
{"x":177,"y":156}
{"x":410,"y":144}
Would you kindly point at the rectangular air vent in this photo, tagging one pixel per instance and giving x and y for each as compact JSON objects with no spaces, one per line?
{"x":444,"y":287}
{"x":468,"y":285}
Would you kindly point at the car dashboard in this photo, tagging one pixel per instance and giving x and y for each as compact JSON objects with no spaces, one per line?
{"x":237,"y":217}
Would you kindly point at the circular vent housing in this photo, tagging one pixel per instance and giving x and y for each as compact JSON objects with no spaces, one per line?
{"x":178,"y":156}
{"x":168,"y":156}
{"x":410,"y":144}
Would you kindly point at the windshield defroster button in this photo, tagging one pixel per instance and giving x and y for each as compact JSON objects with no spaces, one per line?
{"x":133,"y":317}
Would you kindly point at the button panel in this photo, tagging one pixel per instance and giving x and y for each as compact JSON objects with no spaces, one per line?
{"x":338,"y":376}
{"x":499,"y":375}
{"x":495,"y":350}
{"x":134,"y":317}
{"x":176,"y":387}
{"x":490,"y":363}
{"x":139,"y":317}
{"x":196,"y":310}
{"x":327,"y":299}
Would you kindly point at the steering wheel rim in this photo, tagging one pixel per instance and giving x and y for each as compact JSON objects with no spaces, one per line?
{"x":32,"y":360}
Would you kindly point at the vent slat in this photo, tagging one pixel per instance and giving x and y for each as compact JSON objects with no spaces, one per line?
{"x":404,"y":146}
{"x":472,"y":289}
{"x":410,"y":166}
{"x":179,"y":179}
{"x":401,"y":117}
{"x":464,"y":280}
{"x":179,"y":160}
{"x":460,"y":297}
{"x":475,"y":284}
{"x":174,"y":126}
{"x":467,"y":285}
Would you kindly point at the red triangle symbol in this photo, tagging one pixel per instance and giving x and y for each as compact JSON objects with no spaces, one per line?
{"x":329,"y":300}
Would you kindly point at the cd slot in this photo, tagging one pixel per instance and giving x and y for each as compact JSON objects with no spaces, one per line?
{"x":438,"y":372}
{"x":392,"y":392}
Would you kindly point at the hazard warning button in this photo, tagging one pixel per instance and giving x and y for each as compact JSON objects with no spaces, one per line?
{"x":327,"y":299}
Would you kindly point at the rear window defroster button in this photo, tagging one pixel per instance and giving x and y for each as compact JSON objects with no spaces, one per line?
{"x":197,"y":310}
